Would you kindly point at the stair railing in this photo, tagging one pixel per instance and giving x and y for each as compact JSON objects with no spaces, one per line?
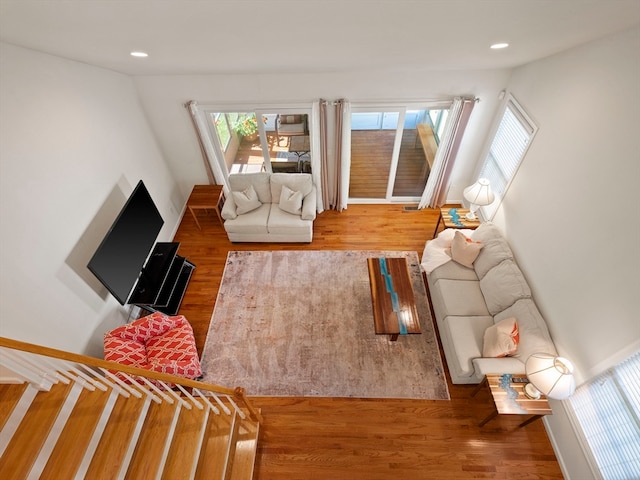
{"x":43,"y":367}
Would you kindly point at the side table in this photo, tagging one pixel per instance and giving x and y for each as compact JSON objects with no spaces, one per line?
{"x":204,"y":197}
{"x":455,"y":218}
{"x":507,"y":391}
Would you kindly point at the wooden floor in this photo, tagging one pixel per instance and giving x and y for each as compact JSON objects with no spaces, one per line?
{"x":352,"y":439}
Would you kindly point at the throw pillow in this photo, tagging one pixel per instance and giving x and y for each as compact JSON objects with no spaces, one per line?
{"x":246,"y":201}
{"x":464,"y":250}
{"x":501,"y":339}
{"x":290,"y":201}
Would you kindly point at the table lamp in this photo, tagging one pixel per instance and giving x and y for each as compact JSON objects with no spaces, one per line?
{"x":550,"y":375}
{"x":478,"y":195}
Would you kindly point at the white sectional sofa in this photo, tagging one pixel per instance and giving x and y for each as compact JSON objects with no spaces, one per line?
{"x":270,"y":207}
{"x":468,"y":301}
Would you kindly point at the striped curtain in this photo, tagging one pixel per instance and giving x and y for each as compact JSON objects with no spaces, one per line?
{"x":335,"y":164}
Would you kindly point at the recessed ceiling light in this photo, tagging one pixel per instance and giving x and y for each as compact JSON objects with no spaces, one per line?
{"x":497,"y":46}
{"x":139,"y":54}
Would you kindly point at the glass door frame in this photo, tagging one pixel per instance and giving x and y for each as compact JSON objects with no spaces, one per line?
{"x":396,"y":106}
{"x":393,"y":167}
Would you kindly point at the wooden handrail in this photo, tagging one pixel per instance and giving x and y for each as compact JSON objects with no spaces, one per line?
{"x":237,"y":392}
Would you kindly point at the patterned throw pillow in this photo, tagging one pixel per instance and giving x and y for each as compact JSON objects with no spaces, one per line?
{"x":501,"y":339}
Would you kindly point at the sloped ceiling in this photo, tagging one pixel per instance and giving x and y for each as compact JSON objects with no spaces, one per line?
{"x":306,"y":36}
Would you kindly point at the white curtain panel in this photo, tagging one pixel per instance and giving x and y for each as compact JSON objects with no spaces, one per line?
{"x":436,"y":176}
{"x":214,"y":157}
{"x":345,"y":164}
{"x":315,"y":144}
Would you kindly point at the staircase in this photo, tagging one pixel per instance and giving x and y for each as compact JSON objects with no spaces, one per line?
{"x":68,"y":416}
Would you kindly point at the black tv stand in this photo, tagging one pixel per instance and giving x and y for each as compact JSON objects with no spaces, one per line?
{"x":163,"y":280}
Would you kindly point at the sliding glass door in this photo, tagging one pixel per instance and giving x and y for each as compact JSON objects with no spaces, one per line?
{"x":392,"y":152}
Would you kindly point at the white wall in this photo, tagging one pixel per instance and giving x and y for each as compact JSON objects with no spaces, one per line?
{"x":163,"y":98}
{"x":74,"y":141}
{"x":571,"y":214}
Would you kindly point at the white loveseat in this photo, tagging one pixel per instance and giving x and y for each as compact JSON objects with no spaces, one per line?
{"x":270,"y":207}
{"x":468,"y":301}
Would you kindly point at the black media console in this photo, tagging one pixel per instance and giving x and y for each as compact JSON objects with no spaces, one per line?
{"x":163,"y":281}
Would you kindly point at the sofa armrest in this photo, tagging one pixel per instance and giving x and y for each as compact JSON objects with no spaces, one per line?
{"x":484,"y":366}
{"x":309,"y":205}
{"x":229,"y":209}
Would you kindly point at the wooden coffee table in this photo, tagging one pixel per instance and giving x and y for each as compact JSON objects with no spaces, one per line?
{"x":509,"y":398}
{"x":394,"y":305}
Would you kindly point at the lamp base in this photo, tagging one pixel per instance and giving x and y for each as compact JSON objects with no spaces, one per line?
{"x":531,"y":392}
{"x":471,"y":215}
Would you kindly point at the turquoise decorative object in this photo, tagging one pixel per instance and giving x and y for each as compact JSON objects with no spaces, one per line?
{"x":455,"y":218}
{"x":395,"y":303}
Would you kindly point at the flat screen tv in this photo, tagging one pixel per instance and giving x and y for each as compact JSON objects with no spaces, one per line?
{"x":123,"y":252}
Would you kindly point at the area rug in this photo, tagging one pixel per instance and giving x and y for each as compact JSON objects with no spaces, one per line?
{"x":300,"y":323}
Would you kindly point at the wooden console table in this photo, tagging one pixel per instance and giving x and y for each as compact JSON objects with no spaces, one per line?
{"x":204,"y":197}
{"x":394,"y":306}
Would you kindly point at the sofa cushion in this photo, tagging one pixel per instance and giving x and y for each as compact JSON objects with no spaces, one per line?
{"x":246,"y":200}
{"x":503,"y":285}
{"x":453,"y":271}
{"x":464,"y":250}
{"x":487,"y":232}
{"x":492,"y":254}
{"x":298,"y":182}
{"x":501,"y":338}
{"x":284,"y":223}
{"x":534,"y":334}
{"x":238,"y":182}
{"x":495,"y":249}
{"x":252,"y":222}
{"x":459,"y":297}
{"x":466,"y":335}
{"x":290,"y":200}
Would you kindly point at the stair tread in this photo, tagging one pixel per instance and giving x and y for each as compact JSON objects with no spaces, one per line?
{"x":10,"y":394}
{"x":69,"y":450}
{"x":115,"y":439}
{"x":246,"y":446}
{"x":185,"y":444}
{"x":214,"y":448}
{"x":23,"y":449}
{"x":146,"y":458}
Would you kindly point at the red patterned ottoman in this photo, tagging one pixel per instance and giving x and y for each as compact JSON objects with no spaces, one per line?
{"x":156,"y":342}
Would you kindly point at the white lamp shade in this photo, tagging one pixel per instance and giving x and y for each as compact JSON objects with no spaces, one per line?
{"x":479,"y":193}
{"x":551,"y":375}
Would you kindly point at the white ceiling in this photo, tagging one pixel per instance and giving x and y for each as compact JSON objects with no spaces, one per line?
{"x":306,"y":36}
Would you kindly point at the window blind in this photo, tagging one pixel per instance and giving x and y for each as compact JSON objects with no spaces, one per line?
{"x":507,"y":149}
{"x":607,"y":410}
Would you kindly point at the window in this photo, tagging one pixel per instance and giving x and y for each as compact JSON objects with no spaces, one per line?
{"x":507,"y":150}
{"x":607,"y":410}
{"x":223,"y":122}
